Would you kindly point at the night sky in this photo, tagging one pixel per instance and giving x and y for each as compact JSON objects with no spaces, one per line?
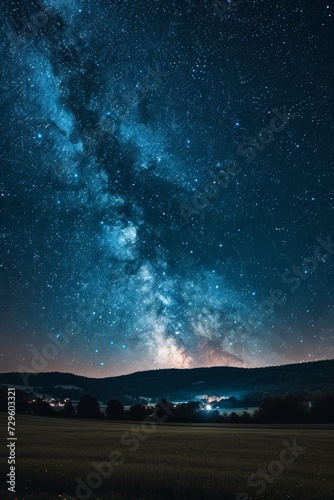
{"x":166,"y":189}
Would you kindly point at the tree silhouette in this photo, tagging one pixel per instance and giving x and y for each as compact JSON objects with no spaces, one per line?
{"x":69,"y":410}
{"x":188,"y":412}
{"x":322,"y":410}
{"x":234,"y":418}
{"x":88,"y":407}
{"x":115,"y":410}
{"x":245,"y":418}
{"x":164,"y":410}
{"x":3,"y":398}
{"x":138,"y":412}
{"x":41,"y":408}
{"x":284,"y":409}
{"x":21,"y":400}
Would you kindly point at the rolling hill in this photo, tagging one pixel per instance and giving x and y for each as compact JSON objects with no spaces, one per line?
{"x":184,"y":384}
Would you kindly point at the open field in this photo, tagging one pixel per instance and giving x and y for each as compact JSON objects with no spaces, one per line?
{"x":173,"y":462}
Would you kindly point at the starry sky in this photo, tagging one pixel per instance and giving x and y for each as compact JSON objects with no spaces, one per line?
{"x":166,"y":189}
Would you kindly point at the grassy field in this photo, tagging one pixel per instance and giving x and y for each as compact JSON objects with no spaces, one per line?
{"x":166,"y":462}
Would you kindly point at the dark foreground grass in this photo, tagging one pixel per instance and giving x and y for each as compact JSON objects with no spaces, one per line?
{"x":172,"y":463}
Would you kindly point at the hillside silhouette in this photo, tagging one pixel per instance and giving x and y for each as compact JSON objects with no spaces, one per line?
{"x":302,"y":379}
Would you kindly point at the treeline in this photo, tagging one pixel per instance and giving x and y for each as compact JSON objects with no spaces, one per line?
{"x":272,"y":410}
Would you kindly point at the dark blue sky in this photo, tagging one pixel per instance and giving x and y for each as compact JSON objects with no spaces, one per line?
{"x":166,"y":190}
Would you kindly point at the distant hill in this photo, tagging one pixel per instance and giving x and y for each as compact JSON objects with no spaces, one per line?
{"x":185,"y":384}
